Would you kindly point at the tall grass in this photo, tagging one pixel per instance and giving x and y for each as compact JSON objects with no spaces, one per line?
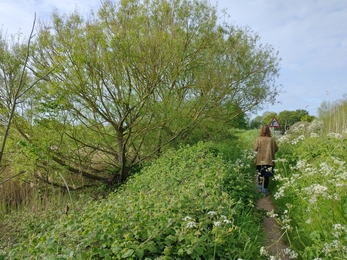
{"x":13,"y":195}
{"x":334,"y":115}
{"x":17,"y":196}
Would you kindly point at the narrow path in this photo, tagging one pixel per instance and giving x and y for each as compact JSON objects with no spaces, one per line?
{"x":274,"y":241}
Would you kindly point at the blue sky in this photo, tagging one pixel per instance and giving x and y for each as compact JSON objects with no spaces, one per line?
{"x":310,"y":36}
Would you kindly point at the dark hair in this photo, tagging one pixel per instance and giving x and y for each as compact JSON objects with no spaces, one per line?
{"x":265,"y":131}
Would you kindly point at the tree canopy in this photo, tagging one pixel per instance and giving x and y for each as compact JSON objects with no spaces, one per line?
{"x":121,"y":85}
{"x":285,"y":118}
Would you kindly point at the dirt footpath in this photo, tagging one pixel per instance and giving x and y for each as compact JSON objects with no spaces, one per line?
{"x":273,"y":242}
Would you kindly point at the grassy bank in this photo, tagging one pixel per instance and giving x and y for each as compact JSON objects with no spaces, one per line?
{"x":310,"y":184}
{"x":189,"y":204}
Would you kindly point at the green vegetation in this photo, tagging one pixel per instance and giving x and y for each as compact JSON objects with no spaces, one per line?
{"x":189,"y":204}
{"x":105,"y":93}
{"x":101,"y":119}
{"x":310,"y":190}
{"x":286,"y":119}
{"x":198,"y":202}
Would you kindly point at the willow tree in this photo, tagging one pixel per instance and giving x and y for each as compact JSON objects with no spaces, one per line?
{"x":135,"y":77}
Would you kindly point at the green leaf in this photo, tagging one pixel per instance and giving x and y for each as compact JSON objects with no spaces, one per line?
{"x":139,"y":252}
{"x":199,"y":250}
{"x":128,"y":253}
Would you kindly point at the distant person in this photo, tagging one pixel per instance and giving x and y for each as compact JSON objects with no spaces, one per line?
{"x":266,"y":147}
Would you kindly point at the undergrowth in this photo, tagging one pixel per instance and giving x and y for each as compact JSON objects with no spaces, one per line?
{"x":189,"y":204}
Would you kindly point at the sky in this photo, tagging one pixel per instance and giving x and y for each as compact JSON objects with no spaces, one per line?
{"x":310,"y":36}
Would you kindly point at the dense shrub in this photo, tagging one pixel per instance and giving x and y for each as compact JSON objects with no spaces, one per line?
{"x":189,"y":204}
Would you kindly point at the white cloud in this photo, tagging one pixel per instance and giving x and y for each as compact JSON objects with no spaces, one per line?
{"x":19,"y":15}
{"x":311,"y":37}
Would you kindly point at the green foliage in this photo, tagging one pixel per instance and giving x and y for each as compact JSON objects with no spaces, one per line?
{"x":216,"y":128}
{"x":114,"y":94}
{"x":285,"y":118}
{"x":288,"y":118}
{"x":310,"y":188}
{"x":124,"y":92}
{"x":189,"y":204}
{"x":307,"y":118}
{"x":264,"y":119}
{"x":233,"y":143}
{"x":267,"y":118}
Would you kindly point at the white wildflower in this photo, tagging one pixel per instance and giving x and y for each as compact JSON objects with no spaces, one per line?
{"x":294,"y":142}
{"x":187,"y":218}
{"x":314,"y":135}
{"x":283,"y":160}
{"x":274,"y":215}
{"x":301,"y":164}
{"x":337,"y":161}
{"x":316,"y":189}
{"x":335,"y":135}
{"x":212,"y":213}
{"x":216,"y":223}
{"x":284,"y":139}
{"x":316,"y":126}
{"x":291,"y":253}
{"x":286,"y":251}
{"x":271,"y":213}
{"x":325,"y":168}
{"x":299,"y":129}
{"x":191,"y":224}
{"x":338,"y":226}
{"x":263,"y":251}
{"x":279,"y":193}
{"x":289,"y":206}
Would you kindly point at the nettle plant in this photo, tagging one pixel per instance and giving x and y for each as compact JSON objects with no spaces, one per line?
{"x":180,"y":207}
{"x":311,"y":184}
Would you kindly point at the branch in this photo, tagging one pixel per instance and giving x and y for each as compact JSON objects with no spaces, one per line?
{"x":10,"y":178}
{"x":17,"y":93}
{"x":63,"y":187}
{"x":74,"y":170}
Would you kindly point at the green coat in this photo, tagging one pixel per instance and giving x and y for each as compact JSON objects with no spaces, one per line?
{"x":266,"y":148}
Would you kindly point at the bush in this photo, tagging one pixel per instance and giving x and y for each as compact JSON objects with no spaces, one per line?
{"x":189,"y":204}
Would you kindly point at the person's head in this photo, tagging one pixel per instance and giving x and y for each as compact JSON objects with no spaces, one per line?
{"x":265,"y":131}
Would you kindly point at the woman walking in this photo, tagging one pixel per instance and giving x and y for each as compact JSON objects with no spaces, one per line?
{"x":266,"y":147}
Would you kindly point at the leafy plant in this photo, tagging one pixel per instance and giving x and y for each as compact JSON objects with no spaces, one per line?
{"x":189,"y":204}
